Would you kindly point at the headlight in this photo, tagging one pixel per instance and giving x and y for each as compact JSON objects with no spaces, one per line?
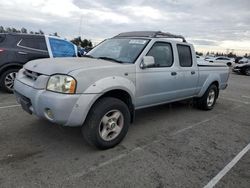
{"x":62,"y":84}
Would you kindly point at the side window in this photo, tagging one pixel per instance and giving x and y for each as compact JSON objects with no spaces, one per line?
{"x":185,"y":55}
{"x":162,"y":53}
{"x":34,"y":43}
{"x":61,"y":48}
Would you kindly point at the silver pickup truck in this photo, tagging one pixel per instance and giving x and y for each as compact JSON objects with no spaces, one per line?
{"x":102,"y":90}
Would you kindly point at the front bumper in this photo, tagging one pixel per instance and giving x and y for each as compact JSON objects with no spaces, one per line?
{"x":236,"y":69}
{"x":64,"y":109}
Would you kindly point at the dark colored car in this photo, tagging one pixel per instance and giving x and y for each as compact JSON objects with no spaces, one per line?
{"x":18,"y":49}
{"x":242,"y":68}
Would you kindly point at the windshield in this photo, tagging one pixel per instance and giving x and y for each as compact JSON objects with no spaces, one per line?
{"x":124,"y":50}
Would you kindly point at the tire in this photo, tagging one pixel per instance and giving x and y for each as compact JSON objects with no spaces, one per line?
{"x":208,"y":100}
{"x":7,"y":80}
{"x":247,"y":71}
{"x":107,"y":123}
{"x":229,"y":64}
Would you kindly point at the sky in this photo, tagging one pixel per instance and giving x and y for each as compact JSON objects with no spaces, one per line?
{"x":221,"y":25}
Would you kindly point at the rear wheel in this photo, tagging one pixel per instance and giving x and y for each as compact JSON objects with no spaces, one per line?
{"x":229,"y":64}
{"x":7,"y":80}
{"x":107,"y":123}
{"x":208,"y":100}
{"x":247,"y":71}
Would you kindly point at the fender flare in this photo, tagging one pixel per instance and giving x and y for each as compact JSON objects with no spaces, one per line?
{"x":107,"y":84}
{"x":211,"y":78}
{"x":98,"y":89}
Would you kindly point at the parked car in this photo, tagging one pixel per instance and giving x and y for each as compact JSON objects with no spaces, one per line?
{"x":130,"y":71}
{"x":225,"y":60}
{"x":18,"y":49}
{"x":244,"y":60}
{"x":81,"y":51}
{"x":200,"y":59}
{"x":243,"y":68}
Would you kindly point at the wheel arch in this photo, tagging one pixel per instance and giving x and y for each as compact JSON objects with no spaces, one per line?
{"x":10,"y":66}
{"x":210,"y":80}
{"x":122,"y":95}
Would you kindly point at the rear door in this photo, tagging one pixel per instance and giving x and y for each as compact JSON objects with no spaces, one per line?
{"x":3,"y":54}
{"x":31,"y":47}
{"x":188,"y":70}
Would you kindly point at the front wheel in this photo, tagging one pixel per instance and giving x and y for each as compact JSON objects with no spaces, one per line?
{"x":247,"y":71}
{"x":208,"y":100}
{"x":7,"y":80}
{"x":107,"y":123}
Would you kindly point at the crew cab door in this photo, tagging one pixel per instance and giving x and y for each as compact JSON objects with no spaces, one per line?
{"x":161,"y":82}
{"x":188,"y":70}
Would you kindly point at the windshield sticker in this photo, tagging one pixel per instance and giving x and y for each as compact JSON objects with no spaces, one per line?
{"x":137,"y":41}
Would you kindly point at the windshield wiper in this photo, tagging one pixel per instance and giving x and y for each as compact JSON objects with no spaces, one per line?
{"x":111,"y":59}
{"x":90,"y":56}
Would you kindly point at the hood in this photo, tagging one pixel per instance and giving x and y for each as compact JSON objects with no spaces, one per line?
{"x":242,"y":65}
{"x":66,"y":65}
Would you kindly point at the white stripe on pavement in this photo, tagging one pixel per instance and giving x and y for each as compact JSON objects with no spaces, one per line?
{"x":235,"y":100}
{"x":11,"y":106}
{"x":226,"y":169}
{"x":11,"y":102}
{"x":244,"y":96}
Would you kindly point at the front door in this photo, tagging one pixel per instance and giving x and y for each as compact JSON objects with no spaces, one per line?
{"x":161,"y":82}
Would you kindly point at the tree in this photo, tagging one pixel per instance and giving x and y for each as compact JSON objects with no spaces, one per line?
{"x":13,"y":30}
{"x":41,"y":32}
{"x":2,"y":29}
{"x":8,"y":30}
{"x":85,"y":43}
{"x":23,"y":30}
{"x":231,"y":55}
{"x":90,"y":44}
{"x":77,"y":41}
{"x":197,"y":53}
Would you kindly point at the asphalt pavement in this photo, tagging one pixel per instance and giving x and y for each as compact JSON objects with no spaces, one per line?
{"x":173,"y":145}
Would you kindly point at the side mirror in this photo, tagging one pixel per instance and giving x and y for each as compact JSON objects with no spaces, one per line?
{"x":147,"y":61}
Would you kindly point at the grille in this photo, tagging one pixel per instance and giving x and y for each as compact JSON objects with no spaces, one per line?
{"x":30,"y":74}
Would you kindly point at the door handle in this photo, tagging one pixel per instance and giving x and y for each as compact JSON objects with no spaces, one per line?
{"x":23,"y":53}
{"x":192,"y":72}
{"x":173,"y":73}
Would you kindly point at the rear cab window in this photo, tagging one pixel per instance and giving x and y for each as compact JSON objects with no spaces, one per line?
{"x":185,"y":55}
{"x":62,"y":48}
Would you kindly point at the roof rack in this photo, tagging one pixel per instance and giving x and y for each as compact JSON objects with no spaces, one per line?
{"x":152,"y":34}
